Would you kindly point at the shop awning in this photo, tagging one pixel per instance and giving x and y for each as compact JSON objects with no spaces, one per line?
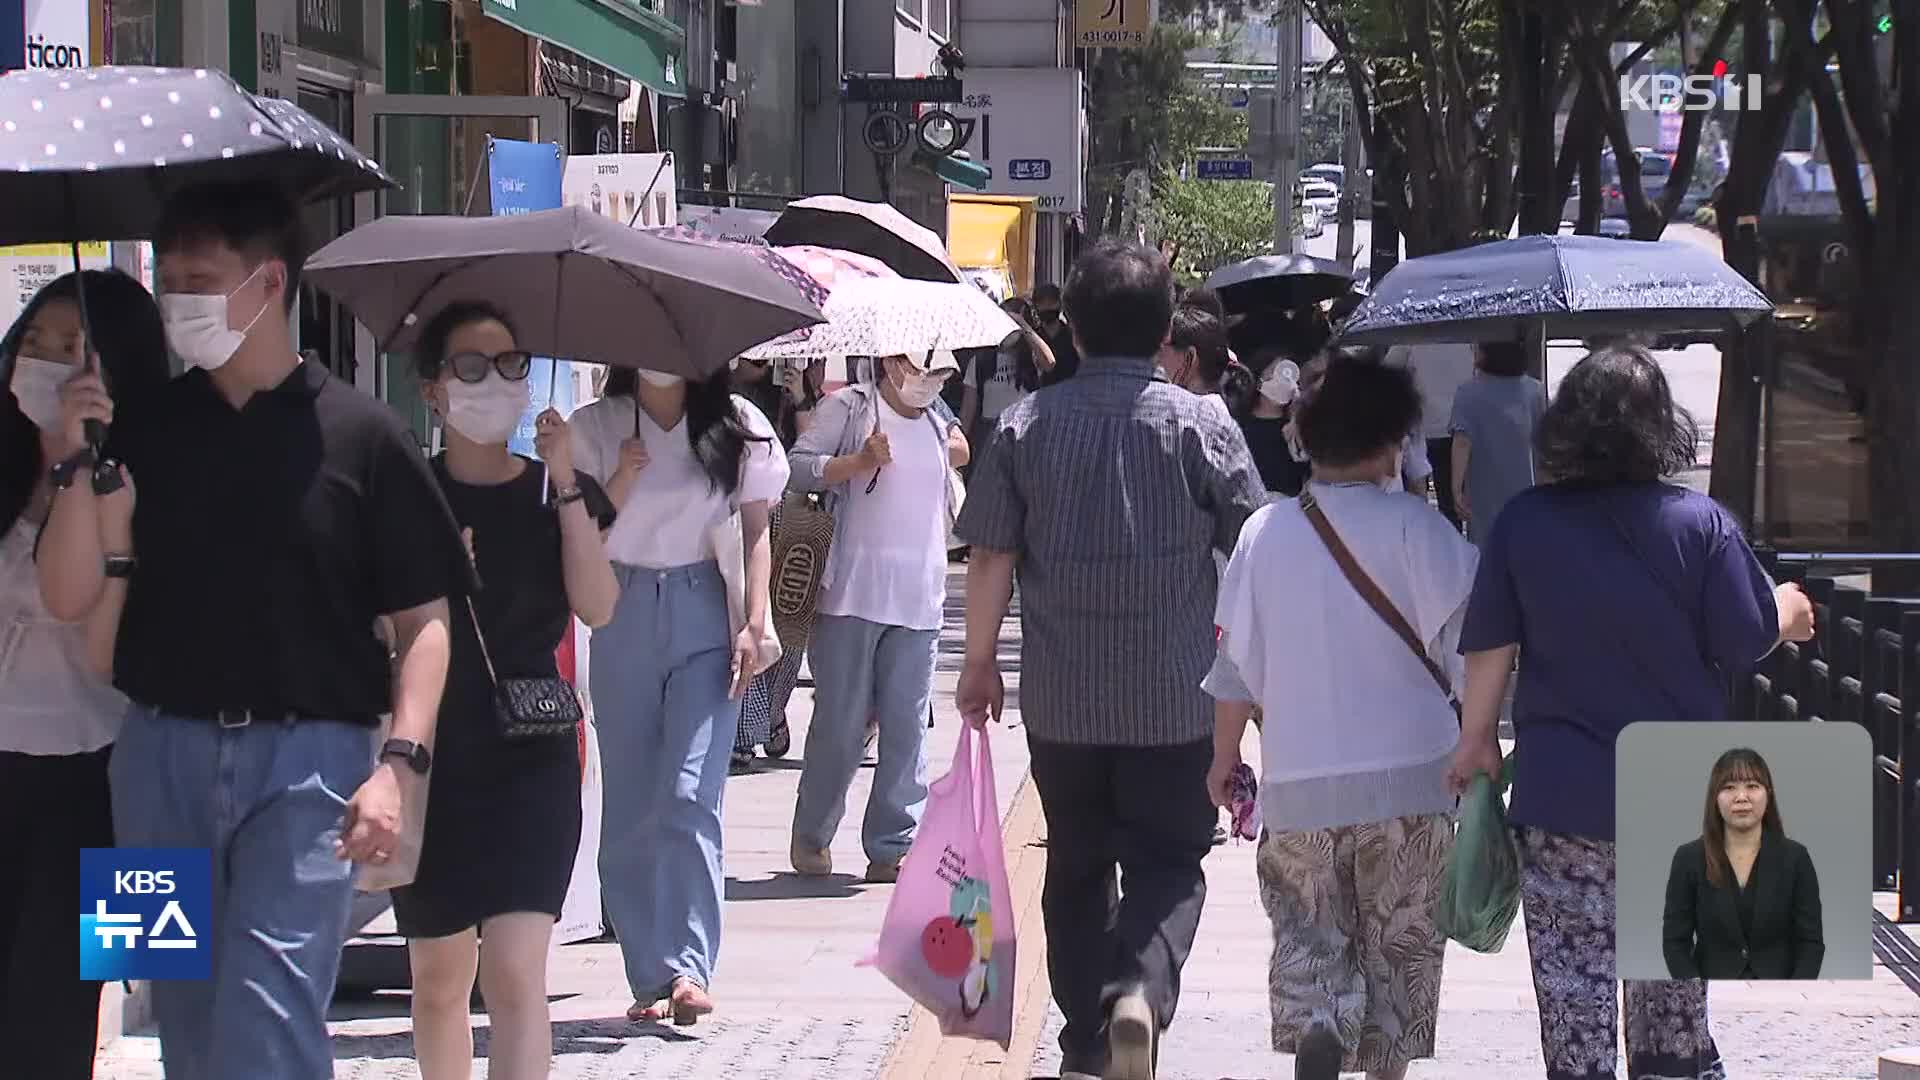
{"x":627,"y":36}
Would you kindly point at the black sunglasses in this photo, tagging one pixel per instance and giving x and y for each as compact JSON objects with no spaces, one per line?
{"x":471,"y":367}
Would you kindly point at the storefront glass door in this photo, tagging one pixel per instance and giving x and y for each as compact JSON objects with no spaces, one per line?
{"x":436,"y":147}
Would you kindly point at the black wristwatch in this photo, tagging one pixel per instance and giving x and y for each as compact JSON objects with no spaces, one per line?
{"x":565,"y":495}
{"x":63,"y":473}
{"x":417,"y":757}
{"x":120,"y":566}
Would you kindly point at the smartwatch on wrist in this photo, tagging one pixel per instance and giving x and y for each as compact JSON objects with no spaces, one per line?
{"x":417,"y":757}
{"x":565,"y":495}
{"x":63,"y":473}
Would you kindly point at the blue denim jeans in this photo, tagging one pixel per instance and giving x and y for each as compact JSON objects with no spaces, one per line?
{"x":863,"y":668}
{"x":268,"y":800}
{"x":659,"y":679}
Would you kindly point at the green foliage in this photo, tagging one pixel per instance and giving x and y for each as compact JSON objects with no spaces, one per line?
{"x":1212,"y":222}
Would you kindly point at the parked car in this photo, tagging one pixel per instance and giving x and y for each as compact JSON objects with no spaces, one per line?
{"x":1311,"y":223}
{"x":1322,"y":196}
{"x":1654,"y":171}
{"x":1336,"y":175}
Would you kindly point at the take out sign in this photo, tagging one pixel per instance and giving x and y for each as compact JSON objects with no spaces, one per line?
{"x":1112,"y":24}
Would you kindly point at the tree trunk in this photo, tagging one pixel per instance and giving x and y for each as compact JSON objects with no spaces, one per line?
{"x":1533,"y":67}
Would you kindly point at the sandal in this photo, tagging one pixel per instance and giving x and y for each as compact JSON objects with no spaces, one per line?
{"x":689,"y":1001}
{"x":656,"y":1013}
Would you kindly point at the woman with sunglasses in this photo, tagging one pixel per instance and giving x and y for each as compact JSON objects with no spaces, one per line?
{"x":678,"y":457}
{"x":504,"y":809}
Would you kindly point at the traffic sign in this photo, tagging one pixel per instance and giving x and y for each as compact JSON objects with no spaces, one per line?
{"x":1224,"y":169}
{"x":892,"y":90}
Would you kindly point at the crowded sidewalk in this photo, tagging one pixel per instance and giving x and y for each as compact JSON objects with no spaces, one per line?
{"x":799,"y":1005}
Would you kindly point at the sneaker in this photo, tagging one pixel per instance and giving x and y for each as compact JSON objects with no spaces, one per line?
{"x":811,"y":862}
{"x":1130,"y":1037}
{"x":1317,"y":1055}
{"x":883,"y":873}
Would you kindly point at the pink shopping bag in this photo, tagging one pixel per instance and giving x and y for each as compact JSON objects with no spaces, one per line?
{"x":948,"y":936}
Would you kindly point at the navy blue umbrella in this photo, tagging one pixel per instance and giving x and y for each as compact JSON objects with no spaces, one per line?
{"x":1572,"y":286}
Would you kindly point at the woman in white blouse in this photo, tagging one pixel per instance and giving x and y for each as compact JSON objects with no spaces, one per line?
{"x":1359,"y":730}
{"x":59,"y":713}
{"x":677,"y":458}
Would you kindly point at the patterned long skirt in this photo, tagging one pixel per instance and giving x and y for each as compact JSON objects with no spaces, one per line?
{"x":1354,"y":943}
{"x":1566,"y":892}
{"x":763,"y":709}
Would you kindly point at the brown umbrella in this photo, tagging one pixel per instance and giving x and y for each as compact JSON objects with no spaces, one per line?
{"x":875,"y":230}
{"x":576,"y":284}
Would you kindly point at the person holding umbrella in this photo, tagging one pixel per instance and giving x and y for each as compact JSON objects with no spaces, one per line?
{"x":281,"y":513}
{"x":59,"y":712}
{"x":504,"y":796}
{"x":884,"y":454}
{"x":678,"y":457}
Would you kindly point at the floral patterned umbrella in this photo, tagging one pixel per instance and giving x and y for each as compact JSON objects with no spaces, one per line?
{"x":895,"y":316}
{"x":799,"y":276}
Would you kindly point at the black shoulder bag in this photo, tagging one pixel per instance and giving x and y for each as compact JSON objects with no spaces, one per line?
{"x":527,"y":707}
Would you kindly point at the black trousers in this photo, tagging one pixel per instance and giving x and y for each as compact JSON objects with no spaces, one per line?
{"x":50,"y":807}
{"x":1127,"y":831}
{"x":1440,"y":456}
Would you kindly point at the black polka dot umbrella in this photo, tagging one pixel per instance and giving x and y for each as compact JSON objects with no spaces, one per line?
{"x":91,"y":153}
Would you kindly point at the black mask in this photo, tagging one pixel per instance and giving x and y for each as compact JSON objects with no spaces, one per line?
{"x":1048,"y":316}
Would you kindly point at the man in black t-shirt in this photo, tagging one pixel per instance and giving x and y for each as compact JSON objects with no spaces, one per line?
{"x":279,"y":513}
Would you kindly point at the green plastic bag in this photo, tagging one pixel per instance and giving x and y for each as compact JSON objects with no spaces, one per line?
{"x":1480,"y":892}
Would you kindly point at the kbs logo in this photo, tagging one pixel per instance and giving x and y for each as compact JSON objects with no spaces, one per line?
{"x":1692,"y":93}
{"x":145,"y":913}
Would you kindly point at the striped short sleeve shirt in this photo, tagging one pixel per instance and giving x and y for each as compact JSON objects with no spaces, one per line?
{"x":1114,"y":489}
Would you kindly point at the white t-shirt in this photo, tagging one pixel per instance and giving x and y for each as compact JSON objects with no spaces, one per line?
{"x":672,"y":506}
{"x":1439,"y":370}
{"x":1001,"y":393}
{"x":891,"y":547}
{"x":1341,"y":692}
{"x":1414,"y":466}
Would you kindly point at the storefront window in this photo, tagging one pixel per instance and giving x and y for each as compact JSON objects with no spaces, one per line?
{"x":769,"y":100}
{"x":145,"y":32}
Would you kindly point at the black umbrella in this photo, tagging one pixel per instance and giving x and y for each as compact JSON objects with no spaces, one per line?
{"x":1572,"y":286}
{"x":875,"y":230}
{"x":92,"y":154}
{"x":1284,"y":282}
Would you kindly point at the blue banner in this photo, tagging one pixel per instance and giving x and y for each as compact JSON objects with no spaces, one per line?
{"x":525,"y":177}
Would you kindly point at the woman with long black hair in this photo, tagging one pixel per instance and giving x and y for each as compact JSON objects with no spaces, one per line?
{"x":59,"y":713}
{"x":680,"y":459}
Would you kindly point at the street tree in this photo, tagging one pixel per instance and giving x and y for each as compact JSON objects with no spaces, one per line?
{"x":1206,"y":224}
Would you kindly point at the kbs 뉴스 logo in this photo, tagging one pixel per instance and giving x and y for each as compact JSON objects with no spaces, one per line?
{"x":146,"y":913}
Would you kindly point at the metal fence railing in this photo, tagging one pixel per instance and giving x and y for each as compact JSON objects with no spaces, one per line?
{"x":1863,"y":668}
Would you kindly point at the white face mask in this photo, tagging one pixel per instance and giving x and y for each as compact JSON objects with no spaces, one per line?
{"x":36,"y":386}
{"x":487,"y":412}
{"x":917,"y":391}
{"x":660,"y":378}
{"x":197,"y":326}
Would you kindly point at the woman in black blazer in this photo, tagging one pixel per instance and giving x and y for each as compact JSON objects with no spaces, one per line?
{"x":1743,"y":901}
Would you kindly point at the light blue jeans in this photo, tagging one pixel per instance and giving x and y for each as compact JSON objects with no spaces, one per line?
{"x":863,"y":668}
{"x":659,"y":679}
{"x":268,"y":799}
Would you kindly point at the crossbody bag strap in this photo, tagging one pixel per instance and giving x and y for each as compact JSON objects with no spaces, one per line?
{"x":480,"y":636}
{"x":1371,"y":592}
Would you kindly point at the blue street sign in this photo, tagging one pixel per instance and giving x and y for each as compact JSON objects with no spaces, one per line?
{"x":1224,"y":169}
{"x":1030,"y":169}
{"x":1239,"y":98}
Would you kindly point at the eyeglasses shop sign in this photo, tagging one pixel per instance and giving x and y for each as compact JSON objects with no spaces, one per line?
{"x":1029,"y":132}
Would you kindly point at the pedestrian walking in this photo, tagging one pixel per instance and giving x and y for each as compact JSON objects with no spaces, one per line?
{"x":281,"y":512}
{"x":1198,"y":359}
{"x":999,"y":377}
{"x":1439,"y":370}
{"x":1669,"y":606}
{"x":1340,"y":615}
{"x":1108,"y":494}
{"x":884,"y":455}
{"x":1050,"y":320}
{"x":679,"y":459}
{"x":59,"y":712}
{"x":788,"y":400}
{"x":1494,"y":416}
{"x":1266,"y":421}
{"x":501,"y":796}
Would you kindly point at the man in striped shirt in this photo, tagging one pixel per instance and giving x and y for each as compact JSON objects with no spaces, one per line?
{"x":1108,"y":495}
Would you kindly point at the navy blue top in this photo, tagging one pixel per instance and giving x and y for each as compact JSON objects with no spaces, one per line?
{"x":1628,"y":604}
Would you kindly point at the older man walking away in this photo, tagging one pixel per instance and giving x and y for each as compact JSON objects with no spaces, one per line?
{"x":1108,"y":494}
